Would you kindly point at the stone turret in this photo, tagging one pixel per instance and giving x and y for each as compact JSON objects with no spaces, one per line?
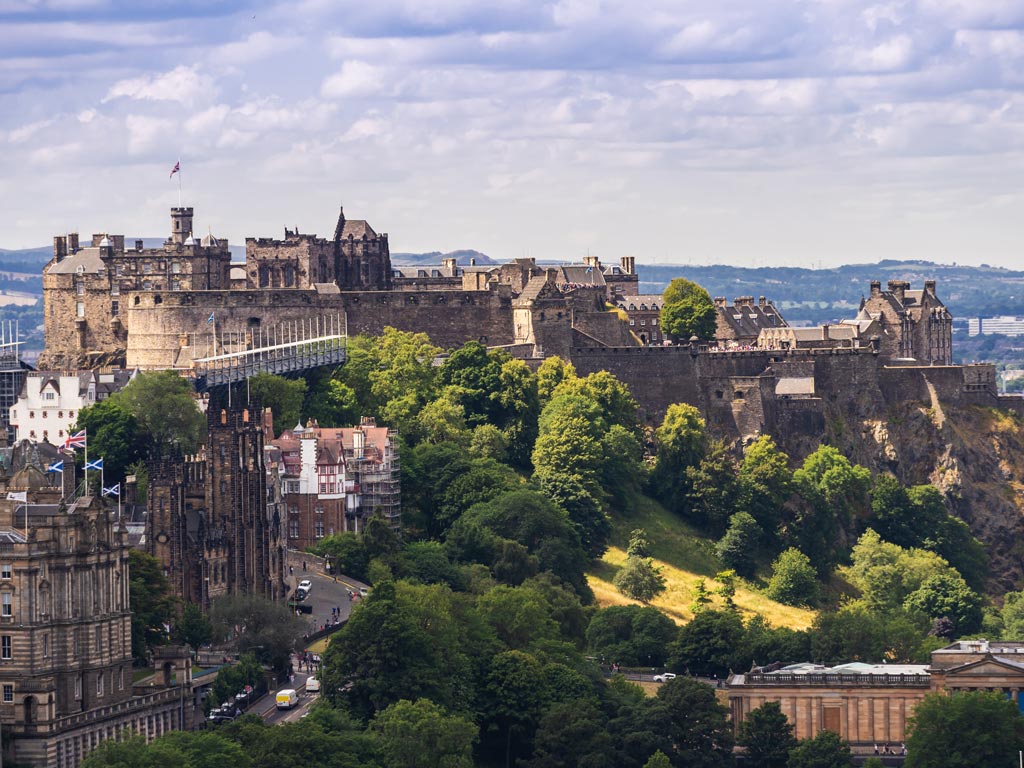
{"x":181,"y":224}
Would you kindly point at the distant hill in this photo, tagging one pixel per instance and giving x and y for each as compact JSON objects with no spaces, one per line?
{"x":462,"y":257}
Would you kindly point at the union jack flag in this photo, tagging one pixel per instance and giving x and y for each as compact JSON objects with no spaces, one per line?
{"x":176,"y":169}
{"x":76,"y":440}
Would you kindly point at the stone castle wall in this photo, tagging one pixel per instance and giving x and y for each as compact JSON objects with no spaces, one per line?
{"x":174,"y":326}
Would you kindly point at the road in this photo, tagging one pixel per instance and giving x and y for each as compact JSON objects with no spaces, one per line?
{"x":328,"y":591}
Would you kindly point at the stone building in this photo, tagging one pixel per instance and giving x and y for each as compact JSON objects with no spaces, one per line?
{"x":86,"y":287}
{"x":357,"y":258}
{"x":49,"y":401}
{"x":643,"y":312}
{"x":869,"y":704}
{"x":213,"y":522}
{"x":912,"y":324}
{"x":740,"y":324}
{"x":65,"y":630}
{"x":334,"y":479}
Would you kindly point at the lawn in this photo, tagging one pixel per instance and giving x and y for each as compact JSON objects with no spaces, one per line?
{"x":684,"y":558}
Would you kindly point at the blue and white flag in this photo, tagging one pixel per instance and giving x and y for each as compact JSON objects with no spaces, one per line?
{"x":57,"y":466}
{"x":97,"y":464}
{"x":114,"y":490}
{"x":209,"y":319}
{"x":589,"y":270}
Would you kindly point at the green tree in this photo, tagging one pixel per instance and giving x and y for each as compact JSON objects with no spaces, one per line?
{"x":826,"y":750}
{"x":422,"y":735}
{"x":794,"y":580}
{"x":946,"y":595}
{"x":701,"y":597}
{"x":443,"y":421}
{"x":152,"y":603}
{"x":715,"y":490}
{"x":284,"y":397}
{"x":519,"y":616}
{"x":766,"y":484}
{"x":164,"y":406}
{"x":571,"y":494}
{"x":688,"y":311}
{"x":569,"y":440}
{"x":687,"y":712}
{"x":573,"y":734}
{"x":708,"y":644}
{"x":738,"y":549}
{"x":767,"y":736}
{"x":489,"y":442}
{"x":550,"y":374}
{"x":270,"y":629}
{"x":613,"y":398}
{"x":658,"y":760}
{"x":177,"y":748}
{"x":682,"y":443}
{"x":965,"y":730}
{"x":640,"y":579}
{"x":1012,"y":614}
{"x":631,"y":635}
{"x":514,"y":697}
{"x":347,"y":552}
{"x":835,"y":495}
{"x":858,"y":633}
{"x":193,"y":628}
{"x":329,"y":401}
{"x":727,"y":588}
{"x":113,"y":433}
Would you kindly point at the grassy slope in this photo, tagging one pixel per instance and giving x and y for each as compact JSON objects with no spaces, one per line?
{"x":684,"y":558}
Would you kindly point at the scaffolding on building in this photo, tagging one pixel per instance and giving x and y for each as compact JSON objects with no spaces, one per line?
{"x":289,"y":347}
{"x":12,"y":373}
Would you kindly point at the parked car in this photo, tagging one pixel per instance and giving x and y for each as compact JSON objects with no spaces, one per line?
{"x":664,"y":678}
{"x":301,"y":594}
{"x":364,"y":591}
{"x":306,"y":584}
{"x":312,"y":685}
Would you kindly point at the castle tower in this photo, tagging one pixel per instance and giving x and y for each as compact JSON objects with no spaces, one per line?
{"x":181,"y":224}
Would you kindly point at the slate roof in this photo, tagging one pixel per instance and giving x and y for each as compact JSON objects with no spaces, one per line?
{"x":357,"y":228}
{"x":640,"y":302}
{"x":747,"y":320}
{"x":87,"y":258}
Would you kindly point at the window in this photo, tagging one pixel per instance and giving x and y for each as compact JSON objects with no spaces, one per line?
{"x":6,"y":604}
{"x":99,"y":638}
{"x":99,"y":684}
{"x":147,"y":268}
{"x":119,"y":270}
{"x":46,"y":646}
{"x":48,"y":395}
{"x":293,"y":529}
{"x":5,"y":570}
{"x":8,"y":693}
{"x":643,"y":322}
{"x":115,"y":307}
{"x":175,"y":268}
{"x":115,"y":290}
{"x":654,"y":321}
{"x":5,"y":647}
{"x":78,"y":687}
{"x":632,"y":322}
{"x":320,"y":528}
{"x":79,"y":309}
{"x":120,"y":679}
{"x":79,"y":289}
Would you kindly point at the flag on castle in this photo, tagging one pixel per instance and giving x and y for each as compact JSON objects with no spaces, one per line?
{"x":18,"y":496}
{"x":175,"y":169}
{"x":114,"y":490}
{"x":209,"y":319}
{"x":97,"y":464}
{"x":76,"y":440}
{"x":57,"y":466}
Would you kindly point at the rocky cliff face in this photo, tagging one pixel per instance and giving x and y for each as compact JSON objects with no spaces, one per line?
{"x":973,"y":454}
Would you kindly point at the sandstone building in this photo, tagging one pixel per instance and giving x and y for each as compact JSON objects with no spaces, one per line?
{"x":65,"y":628}
{"x":214,"y":519}
{"x":869,"y":704}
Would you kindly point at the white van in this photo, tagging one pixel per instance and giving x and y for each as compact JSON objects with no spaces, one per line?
{"x":287,"y":698}
{"x":312,"y":685}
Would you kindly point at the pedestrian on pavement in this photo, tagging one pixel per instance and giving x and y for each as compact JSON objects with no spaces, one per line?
{"x":291,"y":570}
{"x":303,"y":565}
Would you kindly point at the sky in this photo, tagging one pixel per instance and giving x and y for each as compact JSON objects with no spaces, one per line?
{"x":748,"y":132}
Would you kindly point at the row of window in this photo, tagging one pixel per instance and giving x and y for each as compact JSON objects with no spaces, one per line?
{"x":318,"y":529}
{"x":644,"y":322}
{"x":44,"y":414}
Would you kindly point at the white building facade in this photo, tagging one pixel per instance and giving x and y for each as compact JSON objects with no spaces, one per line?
{"x":49,"y":402}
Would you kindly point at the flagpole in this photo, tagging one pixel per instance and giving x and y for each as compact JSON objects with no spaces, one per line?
{"x":86,"y":446}
{"x":179,"y":182}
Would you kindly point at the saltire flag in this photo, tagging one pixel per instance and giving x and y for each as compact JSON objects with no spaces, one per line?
{"x":589,"y":270}
{"x":114,"y":490}
{"x":57,"y":466}
{"x":175,"y":169}
{"x":97,"y":464}
{"x":209,"y":319}
{"x":18,"y":496}
{"x":76,"y":440}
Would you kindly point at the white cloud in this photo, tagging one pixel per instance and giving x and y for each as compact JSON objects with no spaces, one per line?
{"x":183,"y":84}
{"x":355,"y":79}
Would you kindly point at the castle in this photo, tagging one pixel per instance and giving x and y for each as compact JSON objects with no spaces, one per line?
{"x":171,"y":306}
